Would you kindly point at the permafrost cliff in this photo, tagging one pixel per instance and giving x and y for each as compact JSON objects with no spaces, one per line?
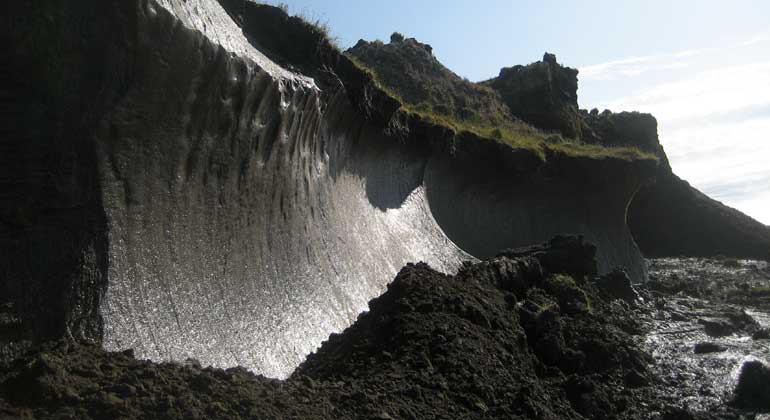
{"x":187,"y":187}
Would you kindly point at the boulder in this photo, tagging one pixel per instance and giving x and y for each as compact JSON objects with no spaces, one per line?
{"x":617,"y":285}
{"x":563,"y":254}
{"x":708,"y":347}
{"x":753,"y":389}
{"x":717,"y":327}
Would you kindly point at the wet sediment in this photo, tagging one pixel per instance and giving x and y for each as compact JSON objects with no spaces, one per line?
{"x":518,"y":336}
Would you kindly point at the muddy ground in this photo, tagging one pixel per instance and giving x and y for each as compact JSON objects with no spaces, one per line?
{"x":530,"y":334}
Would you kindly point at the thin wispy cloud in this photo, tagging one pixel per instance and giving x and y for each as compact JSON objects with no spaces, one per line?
{"x":704,"y":93}
{"x":713,"y":118}
{"x":756,"y":39}
{"x":633,"y":66}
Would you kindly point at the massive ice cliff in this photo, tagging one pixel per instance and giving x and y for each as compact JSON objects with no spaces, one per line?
{"x":171,"y":189}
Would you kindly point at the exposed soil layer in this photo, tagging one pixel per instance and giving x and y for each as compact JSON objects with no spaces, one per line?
{"x":667,"y":218}
{"x":527,"y":336}
{"x":672,"y":218}
{"x":409,"y":68}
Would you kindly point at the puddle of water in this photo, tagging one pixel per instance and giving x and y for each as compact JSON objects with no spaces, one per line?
{"x":703,"y":381}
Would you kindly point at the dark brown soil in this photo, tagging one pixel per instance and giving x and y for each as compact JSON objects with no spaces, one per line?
{"x":505,"y":338}
{"x":408,"y":68}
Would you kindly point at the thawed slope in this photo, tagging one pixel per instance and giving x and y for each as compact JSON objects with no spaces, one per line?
{"x":667,"y":217}
{"x":247,"y":218}
{"x":243,"y":211}
{"x":279,"y":212}
{"x":516,"y":202}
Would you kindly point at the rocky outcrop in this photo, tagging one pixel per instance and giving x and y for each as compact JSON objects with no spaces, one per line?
{"x":669,"y":217}
{"x":514,"y":200}
{"x":544,"y":94}
{"x":625,"y":129}
{"x":617,"y":285}
{"x":409,"y":68}
{"x":753,"y":389}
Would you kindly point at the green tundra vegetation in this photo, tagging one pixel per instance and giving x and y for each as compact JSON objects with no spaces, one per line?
{"x":480,"y":113}
{"x":514,"y":133}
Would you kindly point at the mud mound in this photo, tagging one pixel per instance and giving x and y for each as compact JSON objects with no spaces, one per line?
{"x":526,"y":335}
{"x":504,"y":338}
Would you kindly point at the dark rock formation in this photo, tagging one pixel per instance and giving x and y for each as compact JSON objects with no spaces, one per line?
{"x":708,"y":347}
{"x":497,"y":340}
{"x":570,"y":254}
{"x":625,"y":129}
{"x":669,"y":217}
{"x":729,"y":322}
{"x":763,"y":334}
{"x":408,"y":68}
{"x":753,"y":389}
{"x":617,"y":285}
{"x":672,"y":218}
{"x":543,"y":93}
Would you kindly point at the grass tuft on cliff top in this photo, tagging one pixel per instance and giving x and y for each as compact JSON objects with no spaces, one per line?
{"x":317,"y":26}
{"x":517,"y":134}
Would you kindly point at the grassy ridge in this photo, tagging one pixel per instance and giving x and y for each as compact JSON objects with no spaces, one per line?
{"x":516,"y":134}
{"x":502,"y":128}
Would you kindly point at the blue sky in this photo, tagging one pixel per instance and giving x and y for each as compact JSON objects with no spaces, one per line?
{"x":701,"y":67}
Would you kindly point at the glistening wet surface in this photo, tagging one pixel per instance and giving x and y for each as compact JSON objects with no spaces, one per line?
{"x":706,"y":322}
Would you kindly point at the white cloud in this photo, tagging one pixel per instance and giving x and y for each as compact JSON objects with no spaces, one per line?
{"x":756,"y":39}
{"x":634,"y":66}
{"x":703,"y":94}
{"x":714,"y":118}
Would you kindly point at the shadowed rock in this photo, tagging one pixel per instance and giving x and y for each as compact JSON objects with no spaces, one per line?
{"x":753,"y":389}
{"x":763,"y":334}
{"x":708,"y":347}
{"x":543,"y":93}
{"x":617,"y":285}
{"x":569,"y":254}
